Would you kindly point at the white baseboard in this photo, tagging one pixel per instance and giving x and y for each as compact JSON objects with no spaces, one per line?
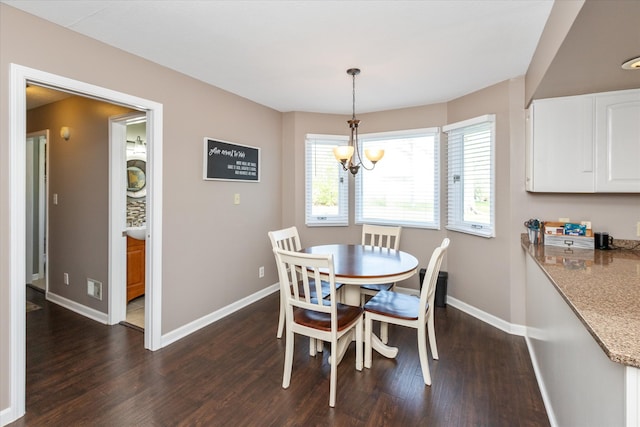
{"x":7,"y":416}
{"x":197,"y":324}
{"x":492,"y":320}
{"x":83,"y":310}
{"x":200,"y":323}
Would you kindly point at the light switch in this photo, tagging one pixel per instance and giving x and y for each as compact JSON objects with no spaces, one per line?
{"x":55,"y":198}
{"x":236,"y":199}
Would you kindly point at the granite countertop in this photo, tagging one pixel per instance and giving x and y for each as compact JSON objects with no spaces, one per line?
{"x":603,"y":289}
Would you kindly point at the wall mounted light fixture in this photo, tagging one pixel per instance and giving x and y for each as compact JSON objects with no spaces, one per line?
{"x":65,"y":133}
{"x":632,"y":64}
{"x":140,"y":147}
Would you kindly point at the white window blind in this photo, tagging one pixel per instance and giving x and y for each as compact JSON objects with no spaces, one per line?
{"x":404,"y":187}
{"x":326,"y":189}
{"x":470,"y":176}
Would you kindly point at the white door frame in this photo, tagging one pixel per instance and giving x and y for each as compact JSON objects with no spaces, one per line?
{"x":43,"y":207}
{"x":19,"y":76}
{"x":29,"y":213}
{"x":41,"y":139}
{"x":117,"y":217}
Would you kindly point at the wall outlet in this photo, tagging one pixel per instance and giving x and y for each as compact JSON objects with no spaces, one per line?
{"x":66,"y":278}
{"x":94,"y":289}
{"x":261,"y":272}
{"x":638,"y":229}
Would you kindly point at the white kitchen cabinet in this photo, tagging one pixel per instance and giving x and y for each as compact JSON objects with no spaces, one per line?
{"x":561,"y":145}
{"x":584,"y":144}
{"x":618,"y":135}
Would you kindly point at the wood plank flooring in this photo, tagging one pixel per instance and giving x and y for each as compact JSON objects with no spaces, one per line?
{"x":80,"y":372}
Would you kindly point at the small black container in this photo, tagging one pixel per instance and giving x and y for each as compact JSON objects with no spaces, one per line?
{"x":441,"y":287}
{"x":602,"y":241}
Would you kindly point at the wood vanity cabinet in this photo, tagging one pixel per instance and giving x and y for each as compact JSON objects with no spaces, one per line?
{"x":135,"y":268}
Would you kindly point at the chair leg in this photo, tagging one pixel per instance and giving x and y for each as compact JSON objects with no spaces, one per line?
{"x":333,"y":361}
{"x":359,"y":343}
{"x":384,"y":327}
{"x":288,"y":360}
{"x":312,"y":347}
{"x":432,"y":336}
{"x":368,"y":326}
{"x":281,"y":318}
{"x":384,"y":332}
{"x":422,"y":351}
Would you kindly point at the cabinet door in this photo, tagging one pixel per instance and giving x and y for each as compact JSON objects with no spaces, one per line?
{"x":135,"y":268}
{"x":561,"y":147}
{"x":618,"y":142}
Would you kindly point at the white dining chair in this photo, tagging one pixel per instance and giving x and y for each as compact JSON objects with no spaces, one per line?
{"x":289,"y":240}
{"x":410,"y":311}
{"x":320,"y":319}
{"x":386,"y":237}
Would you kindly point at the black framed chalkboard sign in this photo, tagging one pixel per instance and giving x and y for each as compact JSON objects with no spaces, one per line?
{"x":226,"y":161}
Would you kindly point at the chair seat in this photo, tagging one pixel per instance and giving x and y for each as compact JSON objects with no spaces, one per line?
{"x":378,"y":288}
{"x":394,"y":304}
{"x":347,"y":315}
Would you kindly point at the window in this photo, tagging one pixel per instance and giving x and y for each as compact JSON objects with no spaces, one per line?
{"x":470,"y":176}
{"x":404,"y":187}
{"x":327,"y":190}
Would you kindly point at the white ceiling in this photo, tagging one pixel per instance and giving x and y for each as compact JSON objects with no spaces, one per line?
{"x":293,"y":55}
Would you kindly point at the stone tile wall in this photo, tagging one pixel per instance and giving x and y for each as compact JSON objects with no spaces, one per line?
{"x":136,"y":212}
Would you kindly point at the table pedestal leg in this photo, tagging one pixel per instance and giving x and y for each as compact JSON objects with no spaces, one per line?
{"x":352,"y":297}
{"x":382,"y":348}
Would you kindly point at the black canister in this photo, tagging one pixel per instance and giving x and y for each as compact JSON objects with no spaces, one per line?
{"x":602,"y":240}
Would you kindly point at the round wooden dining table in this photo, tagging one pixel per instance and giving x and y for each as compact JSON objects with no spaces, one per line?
{"x":356,"y":265}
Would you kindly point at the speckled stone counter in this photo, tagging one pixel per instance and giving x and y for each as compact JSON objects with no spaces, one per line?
{"x":603,"y":290}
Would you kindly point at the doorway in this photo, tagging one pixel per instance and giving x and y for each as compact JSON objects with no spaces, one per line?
{"x":128,"y":170}
{"x":19,"y":77}
{"x":36,"y":210}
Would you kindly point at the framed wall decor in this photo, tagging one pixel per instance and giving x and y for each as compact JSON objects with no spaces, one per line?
{"x":226,"y":161}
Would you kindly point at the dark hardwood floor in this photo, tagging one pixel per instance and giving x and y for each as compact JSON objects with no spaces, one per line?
{"x":80,"y":372}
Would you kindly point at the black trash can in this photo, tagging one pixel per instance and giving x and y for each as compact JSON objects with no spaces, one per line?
{"x":441,"y":287}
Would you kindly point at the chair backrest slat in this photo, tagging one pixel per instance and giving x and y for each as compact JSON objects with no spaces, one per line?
{"x":381,"y":235}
